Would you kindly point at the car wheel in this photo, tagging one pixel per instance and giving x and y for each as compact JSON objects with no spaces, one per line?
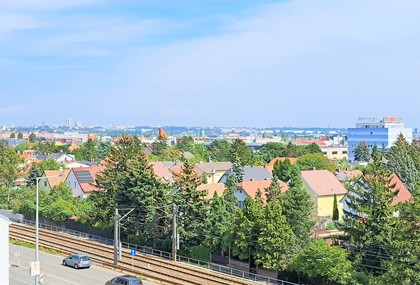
{"x":64,"y":263}
{"x":87,"y":266}
{"x":76,"y":266}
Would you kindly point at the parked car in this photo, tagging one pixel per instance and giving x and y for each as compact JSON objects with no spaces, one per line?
{"x":124,"y":280}
{"x":77,"y":261}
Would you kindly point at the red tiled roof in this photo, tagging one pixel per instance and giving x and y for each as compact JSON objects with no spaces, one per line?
{"x":94,"y":170}
{"x":55,"y":177}
{"x":251,"y":187}
{"x":306,"y":142}
{"x":162,"y":172}
{"x":323,"y":182}
{"x":212,"y":188}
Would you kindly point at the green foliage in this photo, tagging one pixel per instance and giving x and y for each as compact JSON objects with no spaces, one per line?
{"x":240,"y":154}
{"x":87,"y":151}
{"x":370,"y":222}
{"x":12,"y":135}
{"x":283,"y":169}
{"x":129,"y":182}
{"x":323,"y":264}
{"x":9,"y":168}
{"x":273,"y":192}
{"x":335,"y":215}
{"x":20,"y":135}
{"x":297,"y":210}
{"x":50,"y":147}
{"x":276,"y":241}
{"x":401,"y":160}
{"x":271,"y":150}
{"x":219,"y":222}
{"x":32,"y":138}
{"x":192,"y":206}
{"x":361,"y":152}
{"x":22,"y":147}
{"x":220,"y":150}
{"x":315,"y":161}
{"x":229,"y":194}
{"x":186,"y":143}
{"x":246,"y":228}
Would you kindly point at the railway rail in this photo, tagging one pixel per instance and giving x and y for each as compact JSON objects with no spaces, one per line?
{"x":164,"y":271}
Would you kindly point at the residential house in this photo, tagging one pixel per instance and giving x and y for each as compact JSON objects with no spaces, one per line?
{"x":403,"y":195}
{"x":213,"y":170}
{"x":250,"y":188}
{"x":250,"y":173}
{"x":51,"y":178}
{"x":82,"y":180}
{"x":346,"y":175}
{"x":58,"y":157}
{"x":322,"y":185}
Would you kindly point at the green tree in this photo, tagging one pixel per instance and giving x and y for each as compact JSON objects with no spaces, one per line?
{"x":361,"y":152}
{"x":276,"y":241}
{"x":87,"y":151}
{"x":401,"y":161}
{"x":375,"y":154}
{"x":240,"y":153}
{"x":271,"y":150}
{"x":246,"y":229}
{"x":219,"y":222}
{"x":129,"y":181}
{"x":323,"y":264}
{"x":9,"y":167}
{"x":22,"y":147}
{"x":103,"y":149}
{"x":192,"y":206}
{"x":369,"y":220}
{"x":12,"y":135}
{"x":220,"y":150}
{"x":297,"y":207}
{"x":229,"y":194}
{"x":32,"y":138}
{"x":20,"y":135}
{"x":273,"y":192}
{"x":315,"y":161}
{"x":283,"y":169}
{"x":335,"y":215}
{"x":403,"y":265}
{"x":186,"y":143}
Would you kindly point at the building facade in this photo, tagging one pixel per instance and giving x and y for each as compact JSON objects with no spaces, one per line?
{"x":382,"y":133}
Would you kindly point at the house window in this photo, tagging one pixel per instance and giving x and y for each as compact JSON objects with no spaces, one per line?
{"x":45,"y":183}
{"x":344,"y":152}
{"x":334,"y":152}
{"x":68,"y":183}
{"x":241,"y":204}
{"x":74,"y":184}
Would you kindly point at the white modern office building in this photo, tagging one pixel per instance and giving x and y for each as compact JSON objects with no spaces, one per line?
{"x":377,"y":132}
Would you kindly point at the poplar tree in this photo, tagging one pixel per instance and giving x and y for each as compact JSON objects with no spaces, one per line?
{"x":335,"y":215}
{"x":217,"y":232}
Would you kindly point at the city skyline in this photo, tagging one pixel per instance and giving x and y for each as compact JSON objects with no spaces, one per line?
{"x":268,"y":63}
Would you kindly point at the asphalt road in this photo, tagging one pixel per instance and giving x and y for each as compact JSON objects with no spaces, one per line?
{"x":54,"y":272}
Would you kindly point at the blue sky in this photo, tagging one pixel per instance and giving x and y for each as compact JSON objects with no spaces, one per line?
{"x":300,"y":63}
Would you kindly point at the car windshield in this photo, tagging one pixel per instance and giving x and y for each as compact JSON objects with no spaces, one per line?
{"x":84,"y":258}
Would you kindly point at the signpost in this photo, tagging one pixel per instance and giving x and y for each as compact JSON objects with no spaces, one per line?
{"x":132,"y":253}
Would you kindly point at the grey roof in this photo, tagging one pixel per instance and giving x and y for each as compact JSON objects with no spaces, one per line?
{"x":250,"y":173}
{"x":217,"y":166}
{"x":87,"y":162}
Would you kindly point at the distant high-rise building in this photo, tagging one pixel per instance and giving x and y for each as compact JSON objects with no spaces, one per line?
{"x":377,"y":132}
{"x":69,"y":122}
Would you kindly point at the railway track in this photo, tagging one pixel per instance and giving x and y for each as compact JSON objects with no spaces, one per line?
{"x":164,"y":271}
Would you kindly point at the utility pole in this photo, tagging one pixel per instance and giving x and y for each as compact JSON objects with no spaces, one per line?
{"x":116,"y":235}
{"x":174,"y":232}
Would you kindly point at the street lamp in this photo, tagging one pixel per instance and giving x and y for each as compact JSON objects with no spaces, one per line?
{"x":37,"y":223}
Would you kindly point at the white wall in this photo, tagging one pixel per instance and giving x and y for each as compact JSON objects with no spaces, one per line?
{"x":74,"y":185}
{"x":4,"y":249}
